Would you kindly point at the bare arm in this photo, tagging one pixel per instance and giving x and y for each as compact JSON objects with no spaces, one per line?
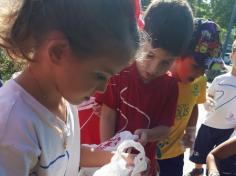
{"x":152,"y":135}
{"x":97,"y":158}
{"x":194,"y":117}
{"x":107,"y":123}
{"x":190,"y":132}
{"x":94,"y":158}
{"x":223,"y":151}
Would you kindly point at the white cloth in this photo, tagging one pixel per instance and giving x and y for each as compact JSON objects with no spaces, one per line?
{"x":223,"y":89}
{"x":32,"y":138}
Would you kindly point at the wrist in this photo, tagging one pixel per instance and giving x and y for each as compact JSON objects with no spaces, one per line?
{"x":192,"y":128}
{"x":191,"y":131}
{"x":213,"y":173}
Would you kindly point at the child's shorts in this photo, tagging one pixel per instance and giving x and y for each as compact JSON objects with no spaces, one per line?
{"x":207,"y":139}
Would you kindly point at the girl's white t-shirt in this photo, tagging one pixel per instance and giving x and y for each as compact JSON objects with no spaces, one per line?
{"x":223,"y":89}
{"x":34,"y":141}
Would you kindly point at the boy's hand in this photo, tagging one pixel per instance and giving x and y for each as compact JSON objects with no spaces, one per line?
{"x":209,"y":105}
{"x":97,"y":109}
{"x":189,"y":137}
{"x":142,"y":136}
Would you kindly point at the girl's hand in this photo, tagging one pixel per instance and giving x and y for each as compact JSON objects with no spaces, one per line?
{"x":147,"y":172}
{"x":129,"y":158}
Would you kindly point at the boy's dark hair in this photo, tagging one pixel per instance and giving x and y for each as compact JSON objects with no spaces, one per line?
{"x":93,"y":28}
{"x":169,"y":24}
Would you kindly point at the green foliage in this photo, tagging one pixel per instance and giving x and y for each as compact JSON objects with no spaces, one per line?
{"x":216,"y":10}
{"x":8,"y":66}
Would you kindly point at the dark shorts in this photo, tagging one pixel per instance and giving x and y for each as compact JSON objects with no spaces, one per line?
{"x":227,"y":166}
{"x":207,"y":139}
{"x":172,"y":166}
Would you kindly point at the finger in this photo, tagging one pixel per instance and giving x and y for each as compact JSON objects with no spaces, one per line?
{"x":137,"y":132}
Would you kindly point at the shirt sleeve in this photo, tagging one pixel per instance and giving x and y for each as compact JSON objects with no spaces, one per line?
{"x":167,"y":117}
{"x":15,"y":160}
{"x":18,"y":150}
{"x":211,"y":89}
{"x":111,"y":95}
{"x":202,"y":87}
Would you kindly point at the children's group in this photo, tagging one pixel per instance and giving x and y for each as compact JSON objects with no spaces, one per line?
{"x":96,"y":68}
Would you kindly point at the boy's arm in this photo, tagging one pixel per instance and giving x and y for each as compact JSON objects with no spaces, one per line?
{"x":211,"y":164}
{"x":194,"y":117}
{"x":190,"y":131}
{"x":109,"y":100}
{"x":164,"y":121}
{"x":224,"y":150}
{"x":201,"y":99}
{"x":107,"y":123}
{"x":152,"y":135}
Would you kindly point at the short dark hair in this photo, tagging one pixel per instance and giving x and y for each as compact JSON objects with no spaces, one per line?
{"x":93,"y":28}
{"x":169,"y":24}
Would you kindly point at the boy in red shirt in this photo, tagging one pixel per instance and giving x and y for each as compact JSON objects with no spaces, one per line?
{"x":142,"y":97}
{"x":89,"y":121}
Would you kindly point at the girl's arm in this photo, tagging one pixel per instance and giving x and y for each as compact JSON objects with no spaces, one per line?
{"x":107,"y":123}
{"x":224,"y":150}
{"x":94,"y":158}
{"x":91,"y":157}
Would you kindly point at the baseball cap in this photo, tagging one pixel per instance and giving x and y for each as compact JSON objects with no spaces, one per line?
{"x":205,"y":44}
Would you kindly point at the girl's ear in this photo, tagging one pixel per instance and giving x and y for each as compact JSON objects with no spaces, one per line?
{"x":58,"y":47}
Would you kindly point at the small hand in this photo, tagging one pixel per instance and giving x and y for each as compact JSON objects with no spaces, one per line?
{"x":189,"y":137}
{"x":187,"y":142}
{"x":147,"y":172}
{"x":209,"y":105}
{"x":129,"y":158}
{"x":142,"y":136}
{"x":97,"y":108}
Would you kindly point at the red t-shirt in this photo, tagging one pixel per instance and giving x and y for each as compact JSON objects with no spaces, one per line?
{"x":141,"y":105}
{"x":89,"y":123}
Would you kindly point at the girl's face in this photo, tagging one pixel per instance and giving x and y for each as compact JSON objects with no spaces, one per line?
{"x":154,"y":64}
{"x":76,"y":80}
{"x":187,"y":70}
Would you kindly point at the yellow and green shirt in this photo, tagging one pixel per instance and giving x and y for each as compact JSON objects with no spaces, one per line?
{"x":189,"y":96}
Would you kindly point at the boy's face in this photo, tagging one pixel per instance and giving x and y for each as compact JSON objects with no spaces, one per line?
{"x":187,"y":70}
{"x":156,"y":63}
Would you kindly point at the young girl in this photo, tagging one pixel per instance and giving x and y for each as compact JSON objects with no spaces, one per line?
{"x":72,"y":48}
